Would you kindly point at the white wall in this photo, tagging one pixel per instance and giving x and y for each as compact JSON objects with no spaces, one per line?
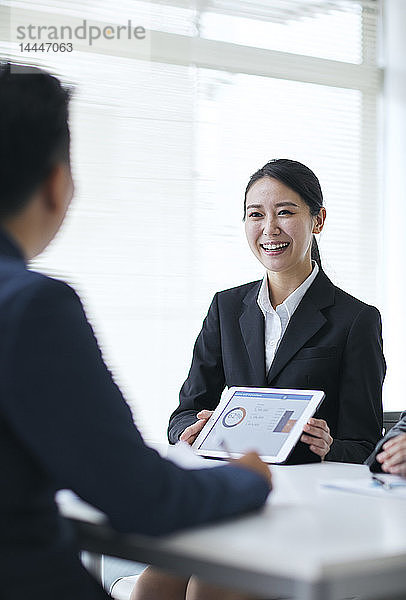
{"x":394,"y":207}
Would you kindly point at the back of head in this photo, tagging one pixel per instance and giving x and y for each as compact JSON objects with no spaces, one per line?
{"x":34,"y":133}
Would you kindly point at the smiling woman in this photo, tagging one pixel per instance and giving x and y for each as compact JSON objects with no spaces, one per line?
{"x":292,"y":329}
{"x":280,"y":225}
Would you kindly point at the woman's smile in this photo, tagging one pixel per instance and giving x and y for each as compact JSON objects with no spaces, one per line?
{"x":274,"y":248}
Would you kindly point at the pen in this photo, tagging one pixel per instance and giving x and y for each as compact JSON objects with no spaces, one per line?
{"x":387,"y":485}
{"x":226,"y":448}
{"x":381,"y":482}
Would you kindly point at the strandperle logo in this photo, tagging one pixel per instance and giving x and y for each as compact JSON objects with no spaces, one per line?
{"x":83,"y":31}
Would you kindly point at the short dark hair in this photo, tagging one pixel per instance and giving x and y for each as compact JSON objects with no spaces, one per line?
{"x":298,"y":178}
{"x":34,"y":132}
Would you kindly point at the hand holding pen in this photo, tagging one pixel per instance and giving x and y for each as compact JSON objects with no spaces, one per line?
{"x":251,"y":461}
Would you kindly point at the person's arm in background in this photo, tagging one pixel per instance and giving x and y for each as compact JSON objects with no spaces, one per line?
{"x":390,"y":453}
{"x":62,"y":403}
{"x":205,"y":383}
{"x":361,"y":378}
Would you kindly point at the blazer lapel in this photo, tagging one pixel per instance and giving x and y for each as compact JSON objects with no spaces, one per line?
{"x":252,"y":329}
{"x":304,"y":323}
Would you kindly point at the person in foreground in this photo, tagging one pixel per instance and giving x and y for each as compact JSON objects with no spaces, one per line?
{"x":292,"y":329}
{"x":63,"y":421}
{"x":389,"y":455}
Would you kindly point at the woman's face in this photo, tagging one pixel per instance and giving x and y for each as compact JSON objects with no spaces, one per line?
{"x":279,"y":226}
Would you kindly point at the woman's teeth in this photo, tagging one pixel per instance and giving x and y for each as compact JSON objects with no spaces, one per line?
{"x":270,"y":247}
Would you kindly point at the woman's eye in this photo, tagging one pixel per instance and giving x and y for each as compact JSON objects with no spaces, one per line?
{"x":255,"y":214}
{"x":285,"y":212}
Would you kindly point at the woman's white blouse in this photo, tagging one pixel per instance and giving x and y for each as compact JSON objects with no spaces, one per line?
{"x":276,"y":321}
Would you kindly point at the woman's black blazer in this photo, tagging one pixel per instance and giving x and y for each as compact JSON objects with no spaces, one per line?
{"x":333,"y":343}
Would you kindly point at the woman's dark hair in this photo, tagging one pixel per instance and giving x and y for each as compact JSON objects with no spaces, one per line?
{"x":34,"y":132}
{"x":298,"y":178}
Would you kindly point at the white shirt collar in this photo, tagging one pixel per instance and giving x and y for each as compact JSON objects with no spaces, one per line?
{"x":292,"y":301}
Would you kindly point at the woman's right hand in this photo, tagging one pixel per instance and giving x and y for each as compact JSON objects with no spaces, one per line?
{"x":191,"y":432}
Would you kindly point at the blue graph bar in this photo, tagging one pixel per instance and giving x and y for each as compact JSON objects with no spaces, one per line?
{"x":283,"y":420}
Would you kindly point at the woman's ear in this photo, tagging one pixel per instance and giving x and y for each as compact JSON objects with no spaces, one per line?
{"x":319,"y":220}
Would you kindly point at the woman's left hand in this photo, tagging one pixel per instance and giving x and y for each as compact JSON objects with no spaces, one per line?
{"x":319,"y":439}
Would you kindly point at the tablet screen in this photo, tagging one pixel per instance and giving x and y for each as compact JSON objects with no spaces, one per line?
{"x":256,"y":420}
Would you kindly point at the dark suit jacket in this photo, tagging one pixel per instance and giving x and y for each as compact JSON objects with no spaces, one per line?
{"x":64,"y":424}
{"x":332,"y":343}
{"x":400,"y":427}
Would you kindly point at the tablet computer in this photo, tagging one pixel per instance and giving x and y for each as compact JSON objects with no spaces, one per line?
{"x":267,"y":420}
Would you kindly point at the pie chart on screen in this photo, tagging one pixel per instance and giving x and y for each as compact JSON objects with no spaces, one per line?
{"x":234,"y":417}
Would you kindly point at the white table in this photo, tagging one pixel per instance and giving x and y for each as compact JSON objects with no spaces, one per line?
{"x":308,"y":543}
